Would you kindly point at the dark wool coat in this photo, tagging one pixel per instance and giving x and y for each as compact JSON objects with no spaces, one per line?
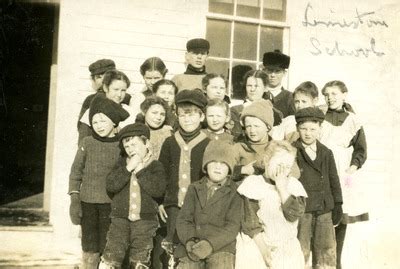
{"x":284,"y":102}
{"x":151,"y":180}
{"x":216,"y":220}
{"x":170,"y":158}
{"x":319,"y":178}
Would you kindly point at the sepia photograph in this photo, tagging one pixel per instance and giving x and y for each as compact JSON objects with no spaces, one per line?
{"x":199,"y":134}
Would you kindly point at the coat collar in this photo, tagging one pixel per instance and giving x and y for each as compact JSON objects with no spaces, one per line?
{"x":316,"y":164}
{"x":201,"y":191}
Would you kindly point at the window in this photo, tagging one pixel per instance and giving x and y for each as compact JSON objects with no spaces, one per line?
{"x":240,"y":32}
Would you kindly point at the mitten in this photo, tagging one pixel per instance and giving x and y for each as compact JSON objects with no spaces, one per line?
{"x":337,"y":214}
{"x":189,"y":249}
{"x":202,"y":249}
{"x":75,"y":209}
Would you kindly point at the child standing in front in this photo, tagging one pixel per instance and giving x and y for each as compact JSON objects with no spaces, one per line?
{"x":281,"y":201}
{"x":134,"y":183}
{"x":95,"y":158}
{"x":343,"y":133}
{"x":181,"y":155}
{"x":321,"y":181}
{"x":209,"y":220}
{"x":217,"y":116}
{"x":305,"y":95}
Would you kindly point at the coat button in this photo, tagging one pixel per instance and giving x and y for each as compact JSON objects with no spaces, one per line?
{"x":183,"y":189}
{"x":184,"y":176}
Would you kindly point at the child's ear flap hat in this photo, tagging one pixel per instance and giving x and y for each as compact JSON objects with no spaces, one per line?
{"x":219,"y":151}
{"x":261,"y":109}
{"x":112,"y":110}
{"x":101,"y":66}
{"x":195,"y":97}
{"x":309,"y":114}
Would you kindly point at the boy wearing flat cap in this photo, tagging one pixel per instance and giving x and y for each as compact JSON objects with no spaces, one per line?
{"x":321,"y":181}
{"x":182,"y":154}
{"x":209,"y":220}
{"x":275,"y":65}
{"x":196,"y":55}
{"x":134,"y":183}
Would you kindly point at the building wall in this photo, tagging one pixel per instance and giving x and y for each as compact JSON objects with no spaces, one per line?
{"x":126,"y":31}
{"x":130,"y":31}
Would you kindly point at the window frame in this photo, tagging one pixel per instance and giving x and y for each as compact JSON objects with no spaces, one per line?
{"x":259,"y":23}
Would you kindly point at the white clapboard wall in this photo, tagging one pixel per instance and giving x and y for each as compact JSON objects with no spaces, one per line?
{"x":357,"y":42}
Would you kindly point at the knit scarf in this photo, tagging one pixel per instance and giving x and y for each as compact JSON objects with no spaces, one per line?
{"x":189,"y":136}
{"x":191,"y":70}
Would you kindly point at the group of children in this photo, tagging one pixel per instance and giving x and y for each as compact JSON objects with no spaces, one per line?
{"x":173,"y":177}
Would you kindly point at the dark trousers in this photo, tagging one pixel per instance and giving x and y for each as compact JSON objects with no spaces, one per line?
{"x":172,"y":212}
{"x":136,"y":236}
{"x":317,"y":235}
{"x":95,"y":223}
{"x":340,"y":232}
{"x":218,"y":260}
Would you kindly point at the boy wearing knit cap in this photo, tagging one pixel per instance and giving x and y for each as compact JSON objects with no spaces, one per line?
{"x":181,"y":155}
{"x":321,"y":182}
{"x":196,"y":55}
{"x":275,"y":65}
{"x":134,"y":183}
{"x":209,"y":220}
{"x":96,"y":156}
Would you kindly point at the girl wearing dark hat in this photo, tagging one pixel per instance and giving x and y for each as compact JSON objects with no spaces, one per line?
{"x":134,"y":183}
{"x":96,"y":156}
{"x":115,"y":85}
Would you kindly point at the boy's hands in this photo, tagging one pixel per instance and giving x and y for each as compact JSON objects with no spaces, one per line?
{"x":189,"y":248}
{"x":163,"y":213}
{"x":133,"y":162}
{"x":75,"y":209}
{"x":248,"y":169}
{"x":267,"y":256}
{"x":280,"y":174}
{"x":202,"y":249}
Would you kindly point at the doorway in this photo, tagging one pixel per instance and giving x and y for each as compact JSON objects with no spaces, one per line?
{"x":27,"y":37}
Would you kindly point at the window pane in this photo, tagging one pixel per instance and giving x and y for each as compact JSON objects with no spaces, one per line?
{"x":221,"y":6}
{"x":275,"y":10}
{"x":248,"y":8}
{"x":238,"y":71}
{"x":271,"y":39}
{"x":217,"y":66}
{"x":219,"y":35}
{"x":245,"y":41}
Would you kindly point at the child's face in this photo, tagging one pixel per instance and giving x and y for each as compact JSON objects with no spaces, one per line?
{"x":196,"y":59}
{"x":280,"y":158}
{"x":102,"y":125}
{"x":167,"y":93}
{"x":216,"y":89}
{"x":254,"y":88}
{"x":97,"y":81}
{"x":150,"y":77}
{"x":155,"y":116}
{"x":135,"y":146}
{"x":189,"y":118}
{"x":309,"y":131}
{"x":334,"y":97}
{"x":116,"y":91}
{"x":255,"y":129}
{"x":275,"y":76}
{"x":216,"y":118}
{"x":302,"y":100}
{"x":217,"y":171}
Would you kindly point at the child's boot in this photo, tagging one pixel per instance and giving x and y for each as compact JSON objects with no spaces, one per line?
{"x":90,"y":260}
